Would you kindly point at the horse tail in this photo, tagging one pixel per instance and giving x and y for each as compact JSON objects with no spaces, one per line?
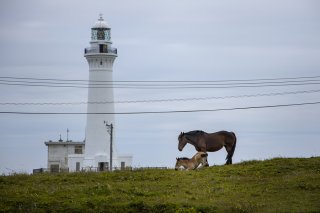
{"x":229,"y":156}
{"x":235,"y":143}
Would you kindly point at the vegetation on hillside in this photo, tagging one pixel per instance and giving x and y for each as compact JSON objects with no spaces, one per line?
{"x":277,"y":185}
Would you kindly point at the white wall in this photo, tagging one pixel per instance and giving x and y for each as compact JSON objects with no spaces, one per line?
{"x":73,"y":159}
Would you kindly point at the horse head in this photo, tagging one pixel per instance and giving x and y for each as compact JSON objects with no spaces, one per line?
{"x":182,"y":141}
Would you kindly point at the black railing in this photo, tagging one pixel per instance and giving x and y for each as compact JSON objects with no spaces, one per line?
{"x":100,"y":50}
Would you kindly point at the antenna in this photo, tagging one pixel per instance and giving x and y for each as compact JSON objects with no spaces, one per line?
{"x":100,"y":17}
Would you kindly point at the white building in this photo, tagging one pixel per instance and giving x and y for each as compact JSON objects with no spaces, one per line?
{"x":100,"y":148}
{"x":62,"y":153}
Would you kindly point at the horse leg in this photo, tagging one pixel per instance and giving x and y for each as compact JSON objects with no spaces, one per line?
{"x":229,"y":156}
{"x":230,"y":160}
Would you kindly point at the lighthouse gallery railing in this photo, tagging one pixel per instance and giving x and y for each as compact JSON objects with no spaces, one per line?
{"x":100,"y":50}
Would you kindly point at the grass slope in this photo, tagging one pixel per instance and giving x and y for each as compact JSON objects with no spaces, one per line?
{"x":277,"y":185}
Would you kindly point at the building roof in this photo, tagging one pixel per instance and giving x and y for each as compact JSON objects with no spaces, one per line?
{"x":63,"y":143}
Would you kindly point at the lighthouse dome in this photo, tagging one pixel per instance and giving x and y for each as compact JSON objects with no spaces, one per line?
{"x":100,"y":23}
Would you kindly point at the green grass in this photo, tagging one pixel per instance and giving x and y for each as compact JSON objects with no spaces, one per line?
{"x":277,"y":185}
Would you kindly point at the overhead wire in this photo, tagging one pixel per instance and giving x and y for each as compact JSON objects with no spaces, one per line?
{"x":112,"y":84}
{"x":172,"y":81}
{"x":149,"y":87}
{"x":161,"y":112}
{"x":166,"y":100}
{"x":181,"y":84}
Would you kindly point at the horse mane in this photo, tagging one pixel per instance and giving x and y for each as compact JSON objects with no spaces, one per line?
{"x":183,"y":158}
{"x":195,"y":133}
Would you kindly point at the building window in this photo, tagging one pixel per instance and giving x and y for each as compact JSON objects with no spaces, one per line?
{"x":54,"y":168}
{"x":78,"y":150}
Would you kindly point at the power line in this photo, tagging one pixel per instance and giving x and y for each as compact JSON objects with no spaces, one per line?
{"x":114,"y":84}
{"x":152,"y":87}
{"x":161,"y":112}
{"x":215,"y":84}
{"x":163,"y":81}
{"x":168,"y":100}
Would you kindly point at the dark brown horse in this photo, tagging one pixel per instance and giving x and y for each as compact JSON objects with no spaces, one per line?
{"x":209,"y":142}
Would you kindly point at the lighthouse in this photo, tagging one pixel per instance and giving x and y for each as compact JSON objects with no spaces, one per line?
{"x":100,"y":144}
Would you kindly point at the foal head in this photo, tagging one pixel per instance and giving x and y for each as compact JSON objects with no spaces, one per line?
{"x":181,"y":162}
{"x":204,"y":159}
{"x":182,"y":141}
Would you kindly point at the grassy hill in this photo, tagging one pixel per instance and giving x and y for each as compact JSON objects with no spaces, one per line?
{"x":277,"y":185}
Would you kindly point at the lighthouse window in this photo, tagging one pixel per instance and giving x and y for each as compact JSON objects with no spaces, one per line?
{"x":100,"y":34}
{"x":94,"y":34}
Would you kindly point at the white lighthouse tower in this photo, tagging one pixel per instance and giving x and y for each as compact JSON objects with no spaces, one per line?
{"x":100,"y":56}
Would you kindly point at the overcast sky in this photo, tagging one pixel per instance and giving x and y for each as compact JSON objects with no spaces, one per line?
{"x":163,"y":41}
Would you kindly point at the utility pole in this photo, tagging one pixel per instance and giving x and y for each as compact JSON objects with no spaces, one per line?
{"x":110,"y":131}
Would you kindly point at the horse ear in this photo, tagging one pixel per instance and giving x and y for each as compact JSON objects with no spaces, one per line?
{"x":181,"y":134}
